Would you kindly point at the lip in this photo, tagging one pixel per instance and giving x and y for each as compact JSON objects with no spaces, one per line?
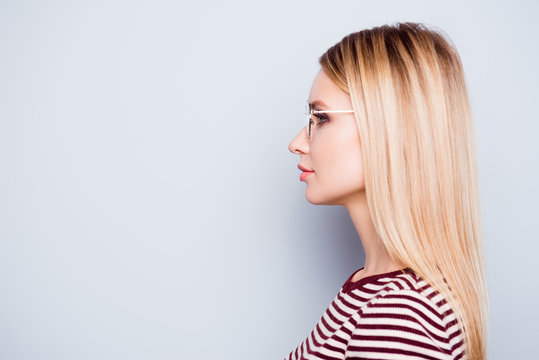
{"x":303,"y":168}
{"x":304,"y":174}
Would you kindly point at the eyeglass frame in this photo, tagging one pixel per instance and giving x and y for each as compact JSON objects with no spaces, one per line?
{"x":312,"y":112}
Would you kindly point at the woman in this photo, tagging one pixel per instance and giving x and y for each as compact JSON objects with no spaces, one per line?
{"x":390,"y":137}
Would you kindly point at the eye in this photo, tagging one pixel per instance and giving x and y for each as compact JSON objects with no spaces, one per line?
{"x":322,"y":118}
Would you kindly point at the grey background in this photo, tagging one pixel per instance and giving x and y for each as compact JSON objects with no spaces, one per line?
{"x":150,"y":208}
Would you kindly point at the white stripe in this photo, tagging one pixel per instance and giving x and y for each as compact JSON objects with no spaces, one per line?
{"x":458,"y":351}
{"x":359,"y":293}
{"x":389,"y":356}
{"x":424,"y":338}
{"x":402,"y":322}
{"x":402,"y":334}
{"x":333,"y":311}
{"x":350,"y":300}
{"x":388,"y":284}
{"x":329,"y":352}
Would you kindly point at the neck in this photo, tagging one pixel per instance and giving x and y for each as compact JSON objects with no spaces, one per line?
{"x":377,"y":259}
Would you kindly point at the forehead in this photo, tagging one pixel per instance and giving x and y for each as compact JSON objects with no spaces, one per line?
{"x":324,"y":90}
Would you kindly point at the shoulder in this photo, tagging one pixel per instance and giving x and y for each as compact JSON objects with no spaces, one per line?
{"x":406,"y":317}
{"x":409,"y":292}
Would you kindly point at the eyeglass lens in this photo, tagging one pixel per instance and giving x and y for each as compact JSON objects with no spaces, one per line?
{"x":308,"y":115}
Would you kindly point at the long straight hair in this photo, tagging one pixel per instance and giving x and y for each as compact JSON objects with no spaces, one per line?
{"x":407,"y":88}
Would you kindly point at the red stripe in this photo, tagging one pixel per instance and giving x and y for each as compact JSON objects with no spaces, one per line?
{"x":405,"y":279}
{"x":327,"y":326}
{"x":339,"y":310}
{"x":332,"y":317}
{"x":346,"y":303}
{"x":320,"y":333}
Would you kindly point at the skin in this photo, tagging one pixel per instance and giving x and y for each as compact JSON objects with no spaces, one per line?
{"x":333,"y":152}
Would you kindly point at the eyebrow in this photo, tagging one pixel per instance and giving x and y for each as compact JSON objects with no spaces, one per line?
{"x":318,"y":104}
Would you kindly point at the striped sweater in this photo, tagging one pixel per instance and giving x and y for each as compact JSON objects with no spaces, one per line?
{"x":394,"y":315}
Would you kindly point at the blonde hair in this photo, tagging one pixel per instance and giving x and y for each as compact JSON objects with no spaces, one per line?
{"x":407,"y":87}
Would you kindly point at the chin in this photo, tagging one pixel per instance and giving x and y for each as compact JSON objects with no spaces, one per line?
{"x":319,"y":199}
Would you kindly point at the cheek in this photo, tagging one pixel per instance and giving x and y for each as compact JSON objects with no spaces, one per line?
{"x":347,"y":167}
{"x":338,"y":163}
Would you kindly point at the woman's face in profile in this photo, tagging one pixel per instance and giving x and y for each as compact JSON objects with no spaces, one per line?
{"x":333,"y":150}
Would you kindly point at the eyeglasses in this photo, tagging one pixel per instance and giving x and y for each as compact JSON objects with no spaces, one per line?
{"x":309,"y":112}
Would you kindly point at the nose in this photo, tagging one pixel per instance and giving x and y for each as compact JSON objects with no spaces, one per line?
{"x":300,"y":144}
